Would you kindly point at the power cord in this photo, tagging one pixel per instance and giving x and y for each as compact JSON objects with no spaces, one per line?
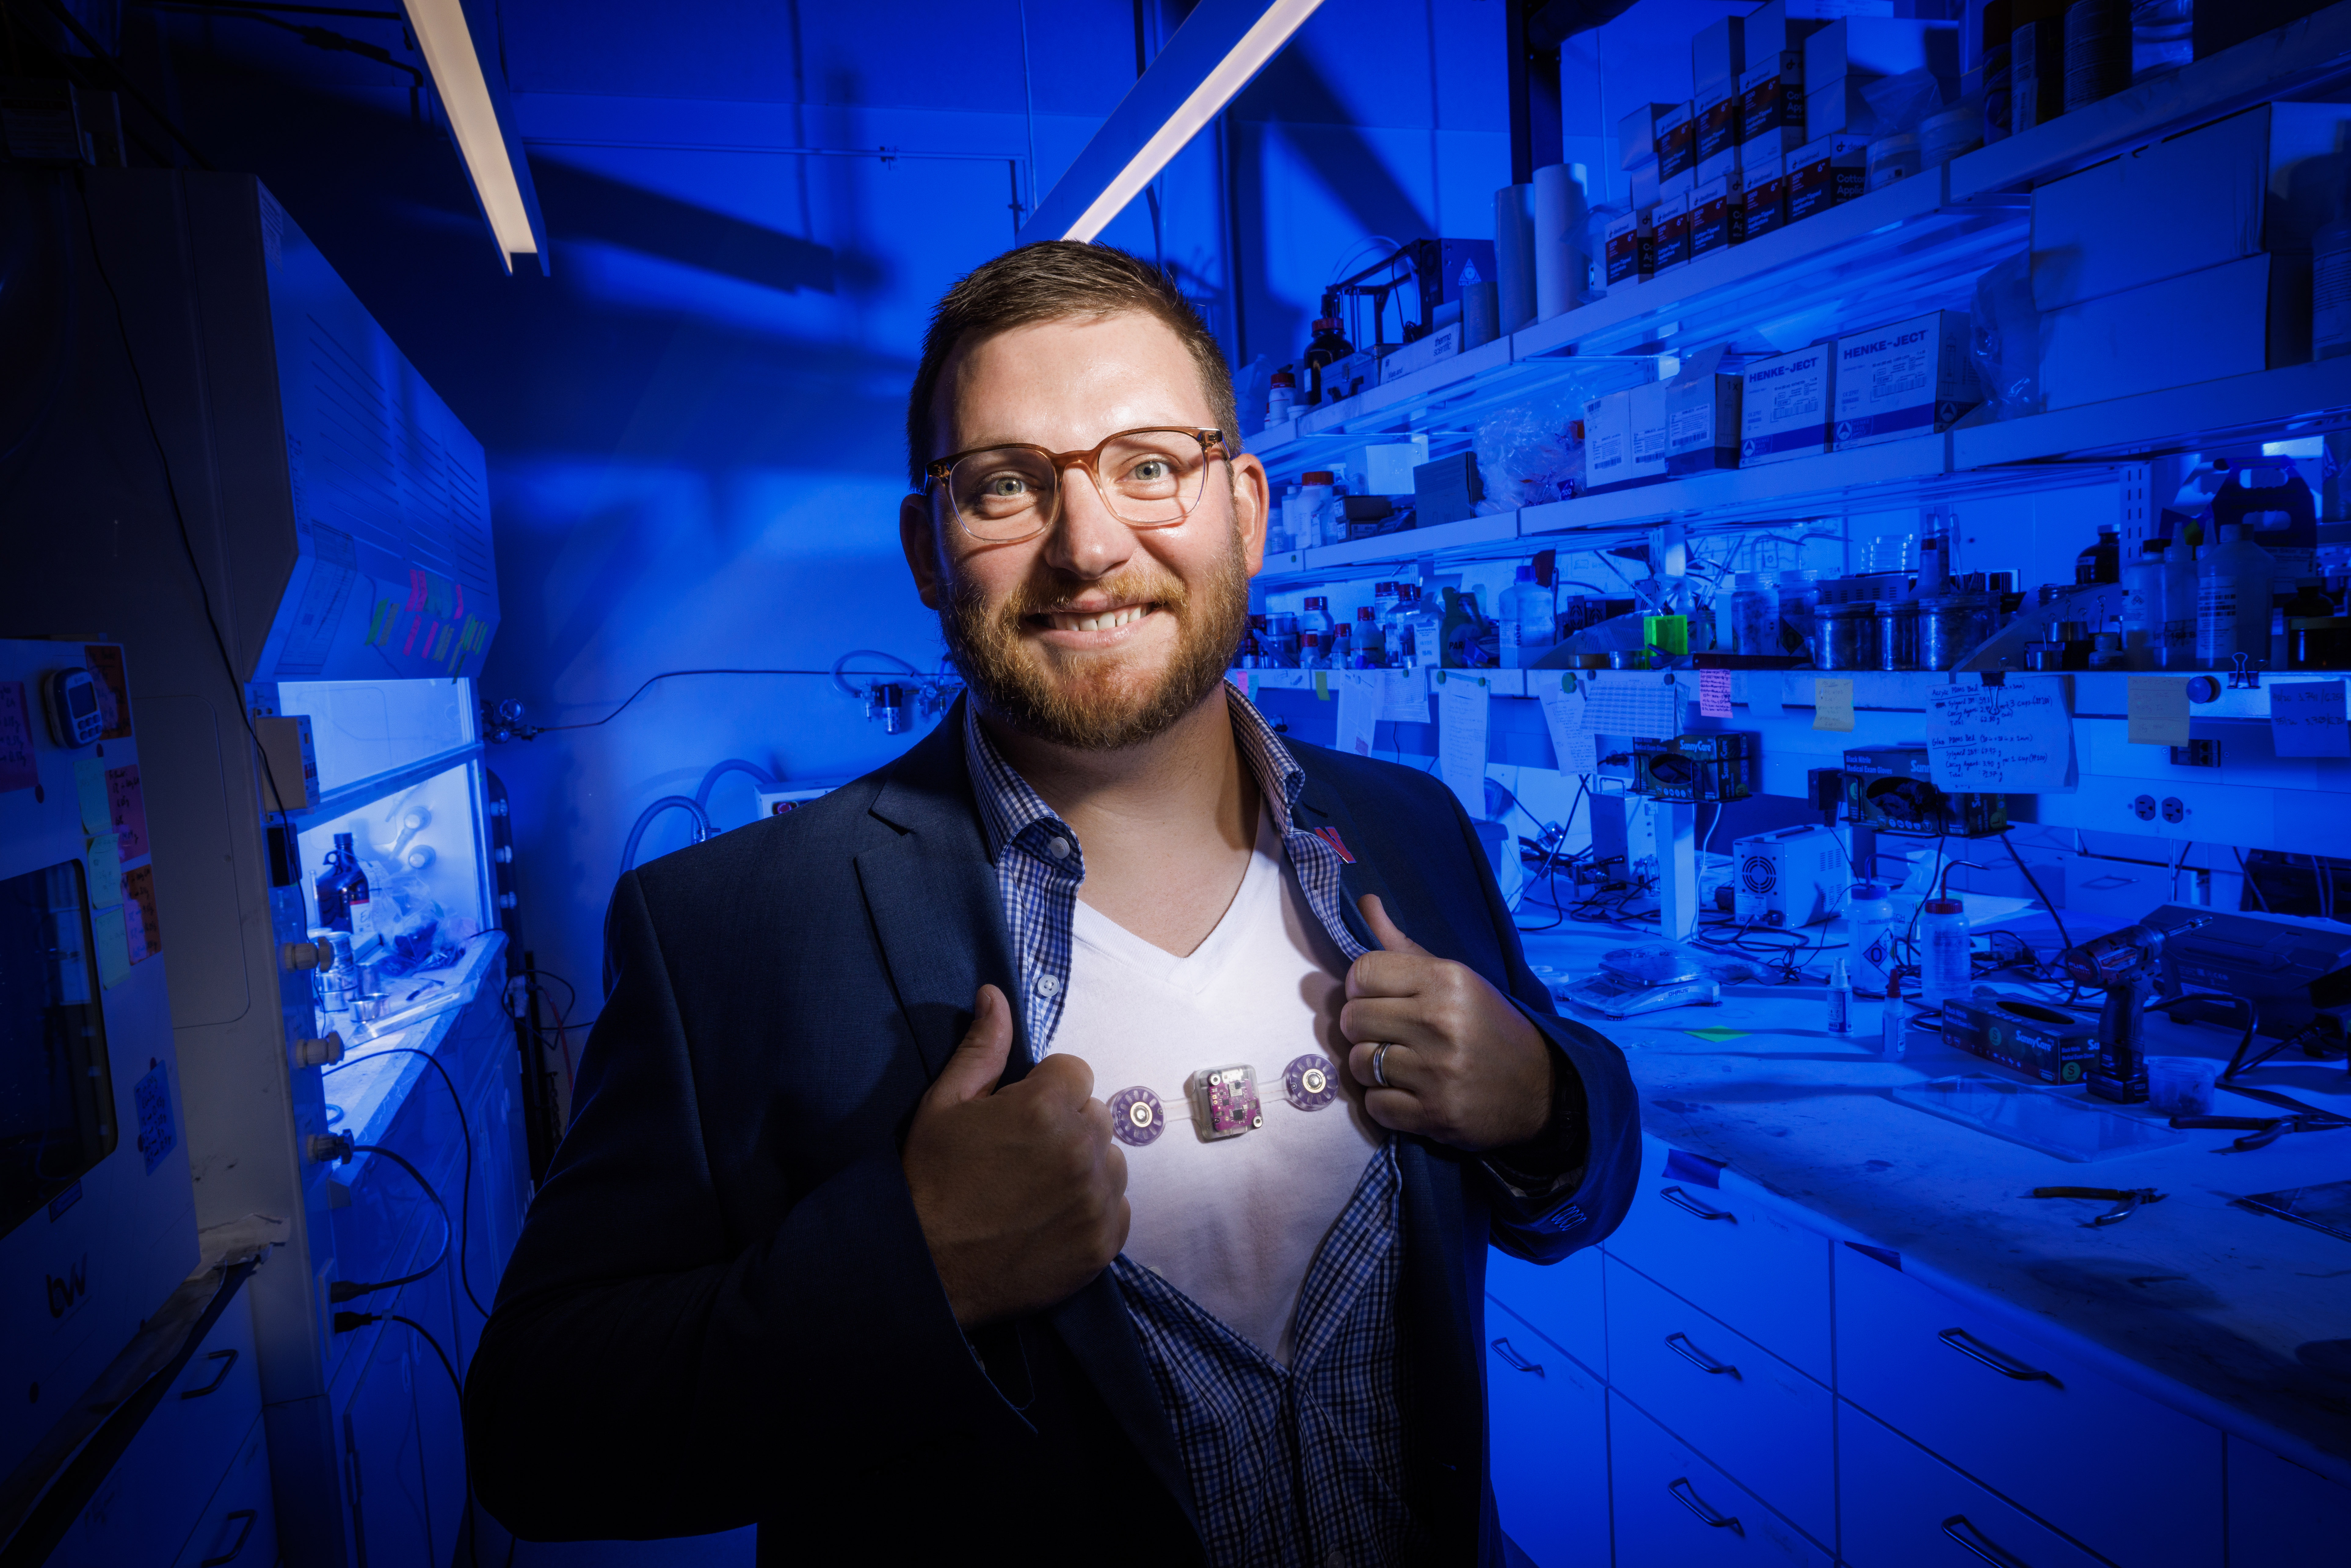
{"x":344,"y":1323}
{"x":466,"y":1194}
{"x":346,"y":1289}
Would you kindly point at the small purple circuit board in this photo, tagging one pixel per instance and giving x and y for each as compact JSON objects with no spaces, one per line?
{"x":1223,"y":1102}
{"x":1136,"y":1118}
{"x":1310,"y":1083}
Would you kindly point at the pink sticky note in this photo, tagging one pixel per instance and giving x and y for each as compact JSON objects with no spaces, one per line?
{"x":127,"y":807}
{"x":1714,"y":694}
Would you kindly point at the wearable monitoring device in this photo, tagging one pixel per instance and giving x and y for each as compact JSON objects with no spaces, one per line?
{"x":71,"y":698}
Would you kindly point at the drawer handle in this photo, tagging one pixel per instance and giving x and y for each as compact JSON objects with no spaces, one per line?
{"x":1960,"y":1528}
{"x":1689,"y":1205}
{"x":244,"y":1532}
{"x":1517,"y":1363}
{"x":1679,"y":1344}
{"x":2006,"y":1365}
{"x":228,"y":1359}
{"x":1686,"y":1495}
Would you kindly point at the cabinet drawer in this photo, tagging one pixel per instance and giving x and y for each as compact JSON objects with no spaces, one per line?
{"x":1561,"y":1300}
{"x":1764,"y":1275}
{"x":1761,"y":1419}
{"x":1674,"y":1508}
{"x":2280,"y":1512}
{"x":2068,"y":1443}
{"x":1903,"y":1508}
{"x":240,"y":1525}
{"x":1548,"y":1421}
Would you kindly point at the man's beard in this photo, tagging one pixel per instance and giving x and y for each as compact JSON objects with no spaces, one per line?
{"x":1095,"y":702}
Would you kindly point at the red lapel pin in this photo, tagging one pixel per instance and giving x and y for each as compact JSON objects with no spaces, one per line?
{"x":1331,"y":836}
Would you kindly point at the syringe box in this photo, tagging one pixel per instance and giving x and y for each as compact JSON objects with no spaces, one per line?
{"x":1911,"y":378}
{"x":1784,"y":407}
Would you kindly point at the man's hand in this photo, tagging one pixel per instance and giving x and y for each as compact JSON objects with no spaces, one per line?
{"x":1020,"y":1191}
{"x":1464,"y":1066}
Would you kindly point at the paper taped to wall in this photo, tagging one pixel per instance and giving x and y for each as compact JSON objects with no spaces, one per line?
{"x":1463,"y":709}
{"x":1359,"y":710}
{"x":1564,"y":714}
{"x":1645,"y":708}
{"x":2306,"y":719}
{"x":2015,"y":739}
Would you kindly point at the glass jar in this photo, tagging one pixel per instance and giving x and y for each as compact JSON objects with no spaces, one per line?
{"x":1755,"y":614}
{"x":1950,"y":627}
{"x":1845,"y":636}
{"x":1799,"y":599}
{"x":1897,"y":633}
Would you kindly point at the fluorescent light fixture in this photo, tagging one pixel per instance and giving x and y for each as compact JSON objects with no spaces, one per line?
{"x":478,"y":119}
{"x":1215,"y":73}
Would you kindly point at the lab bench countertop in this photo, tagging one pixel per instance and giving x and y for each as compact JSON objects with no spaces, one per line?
{"x":2237,"y":1317}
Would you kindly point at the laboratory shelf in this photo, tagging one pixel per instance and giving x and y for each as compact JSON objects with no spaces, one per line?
{"x":2298,"y":58}
{"x":2299,"y":399}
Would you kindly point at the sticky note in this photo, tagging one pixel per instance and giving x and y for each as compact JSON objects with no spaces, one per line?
{"x":1359,"y":710}
{"x":105,"y":872}
{"x":2158,"y":711}
{"x":125,"y":806}
{"x":1322,"y":686}
{"x":1642,"y":707}
{"x":18,"y":770}
{"x":142,"y":935}
{"x":1571,"y":737}
{"x":2306,"y":719}
{"x":1714,"y":694}
{"x":1463,"y":709}
{"x":2015,"y":739}
{"x":1833,"y":704}
{"x":113,"y":951}
{"x":1716,"y":1036}
{"x":89,"y":789}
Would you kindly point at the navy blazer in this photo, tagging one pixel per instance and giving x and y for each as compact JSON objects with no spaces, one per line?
{"x":721,"y":1310}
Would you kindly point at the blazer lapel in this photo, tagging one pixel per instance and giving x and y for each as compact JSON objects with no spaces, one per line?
{"x":1319,"y":806}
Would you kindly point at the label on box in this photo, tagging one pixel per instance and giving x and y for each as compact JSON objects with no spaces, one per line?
{"x":1772,"y":97}
{"x":1648,"y":410}
{"x":1823,"y":173}
{"x":1441,"y":344}
{"x":1765,"y":206}
{"x":1676,"y":141}
{"x":1670,"y":222}
{"x":1907,"y":378}
{"x":1712,"y":217}
{"x":1784,"y":406}
{"x":1631,"y":252}
{"x":1720,"y":125}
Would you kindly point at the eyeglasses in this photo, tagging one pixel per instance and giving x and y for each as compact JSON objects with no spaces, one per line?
{"x":1149,"y":478}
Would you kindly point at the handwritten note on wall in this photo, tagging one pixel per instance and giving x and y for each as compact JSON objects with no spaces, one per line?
{"x":1714,"y":694}
{"x":2015,"y":739}
{"x":1563,"y":711}
{"x":1464,"y":708}
{"x":2306,"y":719}
{"x":1359,"y":710}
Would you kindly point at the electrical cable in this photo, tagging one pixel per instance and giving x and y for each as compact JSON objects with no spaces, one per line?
{"x":2034,"y":882}
{"x":466,"y":1191}
{"x":345,"y":1290}
{"x":172,"y":490}
{"x":649,"y":681}
{"x":2251,"y":886}
{"x":347,"y":1322}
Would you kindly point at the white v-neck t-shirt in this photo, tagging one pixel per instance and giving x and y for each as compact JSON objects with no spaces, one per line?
{"x":1235,"y":1223}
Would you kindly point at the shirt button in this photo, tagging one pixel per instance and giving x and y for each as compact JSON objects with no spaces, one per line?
{"x":1048,"y":985}
{"x":1058,"y":848}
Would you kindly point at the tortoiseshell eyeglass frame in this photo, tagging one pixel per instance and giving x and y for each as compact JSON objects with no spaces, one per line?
{"x":1212,"y":446}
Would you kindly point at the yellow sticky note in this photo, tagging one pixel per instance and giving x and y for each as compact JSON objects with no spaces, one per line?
{"x":2158,"y":711}
{"x":1716,"y":1036}
{"x":89,"y":789}
{"x":1322,"y":686}
{"x":1833,"y":705}
{"x":113,"y":951}
{"x":105,"y":872}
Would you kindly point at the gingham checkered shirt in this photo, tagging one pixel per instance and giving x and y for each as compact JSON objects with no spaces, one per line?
{"x":1298,"y":1465}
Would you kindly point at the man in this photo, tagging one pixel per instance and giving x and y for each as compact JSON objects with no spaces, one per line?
{"x":1079,"y":1139}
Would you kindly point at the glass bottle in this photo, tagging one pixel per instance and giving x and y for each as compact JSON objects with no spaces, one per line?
{"x":2102,"y":562}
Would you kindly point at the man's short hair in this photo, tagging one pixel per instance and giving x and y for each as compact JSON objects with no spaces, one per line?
{"x":1055,"y":281}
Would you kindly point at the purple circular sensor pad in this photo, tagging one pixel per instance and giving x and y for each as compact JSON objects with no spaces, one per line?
{"x":1310,"y":1083}
{"x":1137,"y":1117}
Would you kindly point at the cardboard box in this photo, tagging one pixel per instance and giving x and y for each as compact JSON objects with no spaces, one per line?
{"x":1670,"y":222}
{"x":1388,"y":465}
{"x":1717,"y":54}
{"x":1680,"y":185}
{"x":1648,"y":410}
{"x":2262,"y":180}
{"x":2229,"y":321}
{"x":1724,"y":165}
{"x":1630,"y":250}
{"x":1702,"y":430}
{"x":1720,"y":129}
{"x":1765,"y":203}
{"x":1624,"y":437}
{"x":1784,"y":406}
{"x":1676,"y":141}
{"x":2039,"y":1042}
{"x":1644,"y":181}
{"x":1446,"y":490}
{"x":1911,"y":378}
{"x":1636,"y":134}
{"x":1824,"y":173}
{"x":1872,"y":46}
{"x":1786,"y":24}
{"x":1771,"y":102}
{"x":1718,"y":220}
{"x":1440,"y":344}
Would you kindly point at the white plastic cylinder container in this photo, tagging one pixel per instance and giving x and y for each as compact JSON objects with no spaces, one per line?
{"x":2142,"y":614}
{"x":1869,"y":916}
{"x":2232,"y":600}
{"x":1946,"y":973}
{"x":2179,"y":651}
{"x":1514,"y":256}
{"x":1525,"y":623}
{"x":1563,"y":218}
{"x":1315,"y":506}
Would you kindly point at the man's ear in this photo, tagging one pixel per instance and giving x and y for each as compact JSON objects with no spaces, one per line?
{"x":1251,"y":502}
{"x":918,"y":536}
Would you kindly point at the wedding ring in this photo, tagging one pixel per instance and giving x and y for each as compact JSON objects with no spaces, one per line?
{"x":1380,"y":1064}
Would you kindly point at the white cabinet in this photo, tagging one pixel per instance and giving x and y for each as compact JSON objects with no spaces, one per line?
{"x":1548,"y":1438}
{"x":1761,"y":1419}
{"x":2280,"y":1512}
{"x":1905,"y":1509}
{"x":1560,"y":1299}
{"x":239,"y":1528}
{"x":1672,"y":1507}
{"x":2037,"y":1426}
